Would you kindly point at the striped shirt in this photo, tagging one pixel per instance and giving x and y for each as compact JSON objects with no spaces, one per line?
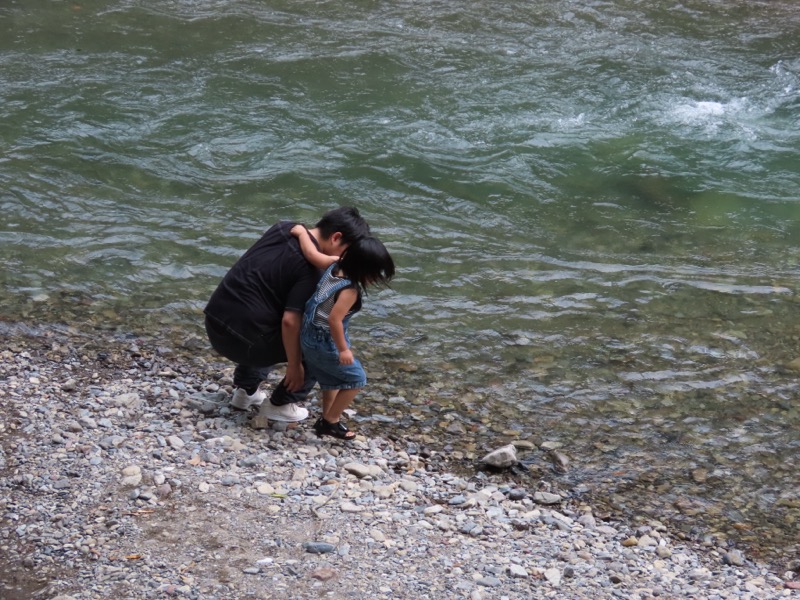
{"x":325,"y":307}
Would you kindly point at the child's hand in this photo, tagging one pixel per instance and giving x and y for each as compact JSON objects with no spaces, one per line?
{"x":298,"y":230}
{"x":346,"y":357}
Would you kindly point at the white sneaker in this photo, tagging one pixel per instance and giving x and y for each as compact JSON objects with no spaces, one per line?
{"x":287,"y":412}
{"x":242,"y":401}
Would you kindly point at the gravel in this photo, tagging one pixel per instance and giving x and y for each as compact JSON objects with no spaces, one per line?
{"x":124,"y":474}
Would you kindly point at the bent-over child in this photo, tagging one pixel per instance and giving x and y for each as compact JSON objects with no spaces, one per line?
{"x":324,"y":337}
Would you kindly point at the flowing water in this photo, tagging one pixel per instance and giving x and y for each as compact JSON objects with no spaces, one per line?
{"x":594,"y":207}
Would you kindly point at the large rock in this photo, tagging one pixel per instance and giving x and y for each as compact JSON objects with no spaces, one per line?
{"x":502,"y":458}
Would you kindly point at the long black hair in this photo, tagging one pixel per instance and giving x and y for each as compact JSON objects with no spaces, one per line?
{"x":367,"y":262}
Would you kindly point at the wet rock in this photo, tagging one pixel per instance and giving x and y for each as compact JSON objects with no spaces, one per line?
{"x":501,"y":458}
{"x":733,"y":557}
{"x":546,"y":498}
{"x":559,"y":460}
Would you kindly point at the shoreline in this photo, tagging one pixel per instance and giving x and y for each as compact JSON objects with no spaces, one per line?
{"x":125,"y":473}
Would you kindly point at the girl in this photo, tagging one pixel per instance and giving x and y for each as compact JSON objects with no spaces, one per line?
{"x":324,"y":338}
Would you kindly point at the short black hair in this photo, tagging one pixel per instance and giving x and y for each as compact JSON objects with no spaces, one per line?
{"x":347,"y":221}
{"x":367,"y":262}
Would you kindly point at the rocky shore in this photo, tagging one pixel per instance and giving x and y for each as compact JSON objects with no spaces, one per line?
{"x":124,"y":474}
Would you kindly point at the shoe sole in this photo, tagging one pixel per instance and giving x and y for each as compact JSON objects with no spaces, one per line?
{"x":273,"y":417}
{"x":244,"y":405}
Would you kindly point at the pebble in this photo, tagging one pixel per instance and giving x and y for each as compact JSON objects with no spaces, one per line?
{"x":319,"y":547}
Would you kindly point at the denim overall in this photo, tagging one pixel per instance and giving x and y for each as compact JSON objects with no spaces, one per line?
{"x":319,"y":350}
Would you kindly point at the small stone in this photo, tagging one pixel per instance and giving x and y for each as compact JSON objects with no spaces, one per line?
{"x":546,"y":498}
{"x":88,"y":422}
{"x":489,"y":582}
{"x":408,"y":486}
{"x":631,"y":541}
{"x":384,"y":492}
{"x":131,"y":480}
{"x":560,"y":461}
{"x":646,"y":541}
{"x":553,"y":576}
{"x":733,"y":557}
{"x":663,"y":552}
{"x":323,"y":574}
{"x":517,"y":494}
{"x":265,"y":489}
{"x":175,"y":442}
{"x":550,"y":445}
{"x":251,"y":570}
{"x":318,"y":547}
{"x":259,"y":422}
{"x":362,"y":471}
{"x":794,"y":365}
{"x":517,"y":571}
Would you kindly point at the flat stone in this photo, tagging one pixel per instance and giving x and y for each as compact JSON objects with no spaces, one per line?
{"x":362,"y":471}
{"x":323,"y":573}
{"x":553,"y":576}
{"x":131,"y":480}
{"x":546,"y":498}
{"x":265,"y":489}
{"x":408,"y":486}
{"x":646,"y":541}
{"x":517,"y":571}
{"x":318,"y":547}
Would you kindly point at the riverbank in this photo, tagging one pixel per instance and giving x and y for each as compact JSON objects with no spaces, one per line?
{"x":126,"y":475}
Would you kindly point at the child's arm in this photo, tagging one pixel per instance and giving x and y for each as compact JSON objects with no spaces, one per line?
{"x":344,"y":302}
{"x":309,"y":250}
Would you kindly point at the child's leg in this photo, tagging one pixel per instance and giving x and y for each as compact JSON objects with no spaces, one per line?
{"x":340,"y":401}
{"x":328,"y":396}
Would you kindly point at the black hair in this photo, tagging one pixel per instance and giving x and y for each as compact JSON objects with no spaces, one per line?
{"x":347,"y":221}
{"x":367,"y":262}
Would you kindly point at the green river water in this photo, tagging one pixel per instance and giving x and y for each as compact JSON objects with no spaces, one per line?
{"x":594,"y":208}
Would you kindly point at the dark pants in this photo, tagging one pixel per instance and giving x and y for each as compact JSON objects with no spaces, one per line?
{"x":255,"y":361}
